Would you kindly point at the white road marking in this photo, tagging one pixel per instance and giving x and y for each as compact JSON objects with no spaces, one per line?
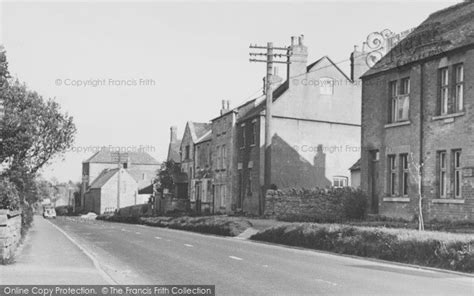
{"x":326,"y":282}
{"x":265,"y":265}
{"x":107,"y":277}
{"x":188,"y":245}
{"x":236,"y":258}
{"x":137,"y":232}
{"x":157,"y":237}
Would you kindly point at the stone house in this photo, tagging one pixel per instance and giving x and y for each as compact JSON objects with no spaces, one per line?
{"x":201,"y":197}
{"x":108,"y":192}
{"x":315,"y":133}
{"x":139,"y":164}
{"x":193,"y":133}
{"x":223,"y":151}
{"x":418,"y":110}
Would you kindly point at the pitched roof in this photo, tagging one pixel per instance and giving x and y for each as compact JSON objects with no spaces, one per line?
{"x":198,"y":129}
{"x":206,"y":137}
{"x":355,"y":166}
{"x":103,"y":178}
{"x":261,"y":106}
{"x":107,"y":156}
{"x":442,"y":31}
{"x":308,"y":69}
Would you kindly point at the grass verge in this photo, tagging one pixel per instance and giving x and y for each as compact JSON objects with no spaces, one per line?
{"x":218,"y":225}
{"x":432,"y":249}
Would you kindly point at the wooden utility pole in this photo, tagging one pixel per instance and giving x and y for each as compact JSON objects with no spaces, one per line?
{"x":269,"y":81}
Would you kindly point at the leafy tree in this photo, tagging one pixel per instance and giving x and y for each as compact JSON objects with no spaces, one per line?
{"x":167,"y":174}
{"x":9,"y":198}
{"x":34,"y":130}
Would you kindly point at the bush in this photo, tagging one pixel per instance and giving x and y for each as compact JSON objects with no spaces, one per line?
{"x":435,"y":249}
{"x":210,"y":224}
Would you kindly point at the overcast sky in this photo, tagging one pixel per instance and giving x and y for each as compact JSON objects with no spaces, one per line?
{"x":180,"y":59}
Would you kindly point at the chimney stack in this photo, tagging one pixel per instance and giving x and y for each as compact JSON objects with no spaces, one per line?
{"x":298,"y":59}
{"x":358,"y":62}
{"x":225,"y":106}
{"x":173,"y":134}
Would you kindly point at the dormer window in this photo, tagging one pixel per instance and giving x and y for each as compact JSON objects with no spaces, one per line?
{"x":326,"y":86}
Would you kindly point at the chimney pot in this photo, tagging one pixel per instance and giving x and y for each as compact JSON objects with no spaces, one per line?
{"x":293,"y":39}
{"x":300,"y":39}
{"x":228,"y":104}
{"x":223,"y":104}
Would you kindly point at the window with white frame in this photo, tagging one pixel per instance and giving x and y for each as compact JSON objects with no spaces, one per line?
{"x":339,"y":181}
{"x":444,"y":90}
{"x":223,"y":194}
{"x":326,"y":86}
{"x":457,"y":174}
{"x":242,"y":136}
{"x":392,"y":168}
{"x":459,"y":87}
{"x":224,"y":156}
{"x":405,"y":174}
{"x":442,"y":174}
{"x":400,"y":100}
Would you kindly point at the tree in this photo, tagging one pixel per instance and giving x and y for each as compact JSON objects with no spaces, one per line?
{"x":167,"y":174}
{"x":9,"y":198}
{"x":416,"y":171}
{"x":34,"y":131}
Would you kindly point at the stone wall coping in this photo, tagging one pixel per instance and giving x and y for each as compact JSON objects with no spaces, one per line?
{"x":447,"y":116}
{"x":396,"y":199}
{"x":447,"y":201}
{"x":395,"y":124}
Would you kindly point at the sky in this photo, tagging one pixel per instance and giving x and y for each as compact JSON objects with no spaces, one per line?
{"x":127,"y":71}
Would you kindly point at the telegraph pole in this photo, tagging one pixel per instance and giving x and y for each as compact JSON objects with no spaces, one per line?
{"x":269,"y":81}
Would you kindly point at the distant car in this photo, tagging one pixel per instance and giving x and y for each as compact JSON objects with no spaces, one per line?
{"x":49,"y":213}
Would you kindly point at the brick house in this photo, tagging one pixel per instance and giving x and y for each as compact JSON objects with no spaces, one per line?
{"x":418,"y":108}
{"x":139,"y":164}
{"x":103,"y":194}
{"x":316,"y":130}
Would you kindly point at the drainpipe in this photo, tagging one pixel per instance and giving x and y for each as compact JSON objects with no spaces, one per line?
{"x":421,"y":134}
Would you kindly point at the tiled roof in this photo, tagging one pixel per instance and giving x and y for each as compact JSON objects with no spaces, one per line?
{"x":198,"y":129}
{"x":103,"y":178}
{"x":206,"y":137}
{"x":261,"y":106}
{"x":107,"y":156}
{"x":442,"y":31}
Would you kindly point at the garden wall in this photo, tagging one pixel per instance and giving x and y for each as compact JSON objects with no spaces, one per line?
{"x":316,"y":205}
{"x":10,"y":233}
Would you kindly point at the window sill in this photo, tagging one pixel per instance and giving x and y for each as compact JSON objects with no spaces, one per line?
{"x":396,"y":199}
{"x":448,"y":116}
{"x":395,"y":124}
{"x":448,"y":201}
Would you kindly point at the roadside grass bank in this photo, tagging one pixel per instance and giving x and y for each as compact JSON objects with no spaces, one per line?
{"x":432,"y":249}
{"x":218,"y":225}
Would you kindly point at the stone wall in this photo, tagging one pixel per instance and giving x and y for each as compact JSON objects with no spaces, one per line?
{"x":10,"y":233}
{"x":316,"y":205}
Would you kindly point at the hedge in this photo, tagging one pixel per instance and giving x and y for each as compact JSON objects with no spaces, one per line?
{"x":433,"y":249}
{"x":224,"y":226}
